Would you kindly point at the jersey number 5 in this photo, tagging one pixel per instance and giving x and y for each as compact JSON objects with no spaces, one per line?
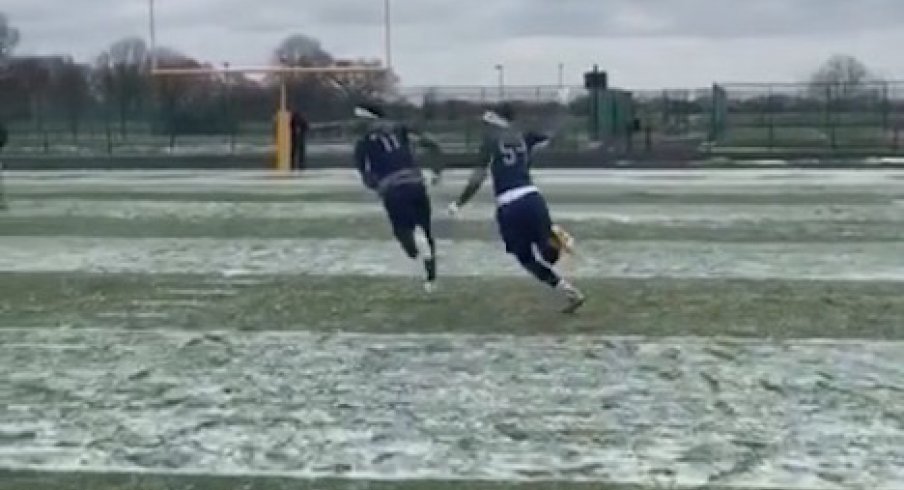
{"x":511,"y":154}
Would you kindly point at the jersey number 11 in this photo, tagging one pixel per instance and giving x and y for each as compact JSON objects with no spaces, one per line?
{"x":390,"y":142}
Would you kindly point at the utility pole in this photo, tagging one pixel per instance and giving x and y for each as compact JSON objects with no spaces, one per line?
{"x":387,"y":11}
{"x":153,"y":34}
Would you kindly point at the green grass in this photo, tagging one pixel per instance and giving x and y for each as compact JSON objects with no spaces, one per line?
{"x":519,"y":306}
{"x":811,"y":136}
{"x":92,"y":481}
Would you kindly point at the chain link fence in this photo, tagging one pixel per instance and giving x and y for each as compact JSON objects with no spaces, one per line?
{"x":825,"y":116}
{"x":57,"y":107}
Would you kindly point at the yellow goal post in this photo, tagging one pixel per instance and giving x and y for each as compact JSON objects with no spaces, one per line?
{"x":283,"y":137}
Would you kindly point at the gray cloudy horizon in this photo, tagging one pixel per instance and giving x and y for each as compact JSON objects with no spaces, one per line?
{"x":642,"y":43}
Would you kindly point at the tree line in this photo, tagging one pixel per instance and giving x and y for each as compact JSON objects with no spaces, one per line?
{"x":118,"y":88}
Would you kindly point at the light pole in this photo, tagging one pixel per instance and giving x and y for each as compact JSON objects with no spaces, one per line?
{"x":153,"y":34}
{"x":387,"y":11}
{"x":561,"y":75}
{"x":501,"y":69}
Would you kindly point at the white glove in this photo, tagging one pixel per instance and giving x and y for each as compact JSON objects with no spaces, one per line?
{"x":453,"y":210}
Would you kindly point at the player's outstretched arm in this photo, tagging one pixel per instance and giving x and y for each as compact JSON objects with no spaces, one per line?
{"x":474,"y":183}
{"x":537,"y":141}
{"x":427,"y":142}
{"x":478,"y":177}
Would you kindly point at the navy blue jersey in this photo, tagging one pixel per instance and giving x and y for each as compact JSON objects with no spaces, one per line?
{"x":384,"y":151}
{"x":508,"y":153}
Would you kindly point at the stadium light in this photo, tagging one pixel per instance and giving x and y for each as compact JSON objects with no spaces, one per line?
{"x":501,"y":69}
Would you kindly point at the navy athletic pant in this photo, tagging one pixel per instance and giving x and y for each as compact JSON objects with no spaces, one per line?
{"x":408,"y":207}
{"x":526,"y":229}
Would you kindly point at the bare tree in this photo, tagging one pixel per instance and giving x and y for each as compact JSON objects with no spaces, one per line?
{"x":123,"y":71}
{"x":368,"y":84}
{"x":35,"y":75}
{"x":185,"y":102}
{"x":71,"y":94}
{"x":841,"y":76}
{"x":9,"y":38}
{"x":301,"y":50}
{"x":306,"y":93}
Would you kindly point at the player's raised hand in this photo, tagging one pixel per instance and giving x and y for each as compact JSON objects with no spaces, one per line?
{"x":454,"y":210}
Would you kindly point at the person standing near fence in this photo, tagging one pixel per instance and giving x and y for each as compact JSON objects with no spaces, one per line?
{"x":300,"y":129}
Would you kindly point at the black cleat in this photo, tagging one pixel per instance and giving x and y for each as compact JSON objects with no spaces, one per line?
{"x":430,"y":269}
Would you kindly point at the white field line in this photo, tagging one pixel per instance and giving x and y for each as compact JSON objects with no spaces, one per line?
{"x":314,"y":179}
{"x":470,"y":258}
{"x":484,"y":211}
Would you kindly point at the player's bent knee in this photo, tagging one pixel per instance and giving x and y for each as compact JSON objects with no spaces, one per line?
{"x":405,"y":237}
{"x":525,"y":257}
{"x":551,"y":255}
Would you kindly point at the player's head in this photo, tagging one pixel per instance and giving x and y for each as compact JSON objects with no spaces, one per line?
{"x":368,"y":116}
{"x":500,"y":116}
{"x":369,"y":111}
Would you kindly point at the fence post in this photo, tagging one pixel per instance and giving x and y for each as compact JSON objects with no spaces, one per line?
{"x":886,"y":110}
{"x":829,"y":120}
{"x":468,"y":119}
{"x":45,"y":136}
{"x":770,"y":118}
{"x":713,"y":113}
{"x":108,"y":128}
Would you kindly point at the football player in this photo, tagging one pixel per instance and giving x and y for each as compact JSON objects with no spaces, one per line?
{"x":385,"y":159}
{"x":522,"y":214}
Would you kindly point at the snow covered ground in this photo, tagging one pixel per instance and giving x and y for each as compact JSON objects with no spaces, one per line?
{"x":755,"y":413}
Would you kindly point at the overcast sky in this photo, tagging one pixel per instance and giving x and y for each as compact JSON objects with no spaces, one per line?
{"x":643,"y":43}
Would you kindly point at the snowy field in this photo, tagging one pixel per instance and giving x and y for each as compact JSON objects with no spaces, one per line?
{"x":248,"y":325}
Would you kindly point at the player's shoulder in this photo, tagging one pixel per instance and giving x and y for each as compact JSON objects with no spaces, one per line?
{"x":388,"y":127}
{"x":512,"y":136}
{"x":400,"y":127}
{"x":534,"y":137}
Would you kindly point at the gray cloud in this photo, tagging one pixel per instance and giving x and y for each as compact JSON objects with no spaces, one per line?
{"x":443,"y":41}
{"x":703,"y":18}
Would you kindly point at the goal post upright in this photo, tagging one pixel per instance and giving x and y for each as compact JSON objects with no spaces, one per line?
{"x":283,"y":136}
